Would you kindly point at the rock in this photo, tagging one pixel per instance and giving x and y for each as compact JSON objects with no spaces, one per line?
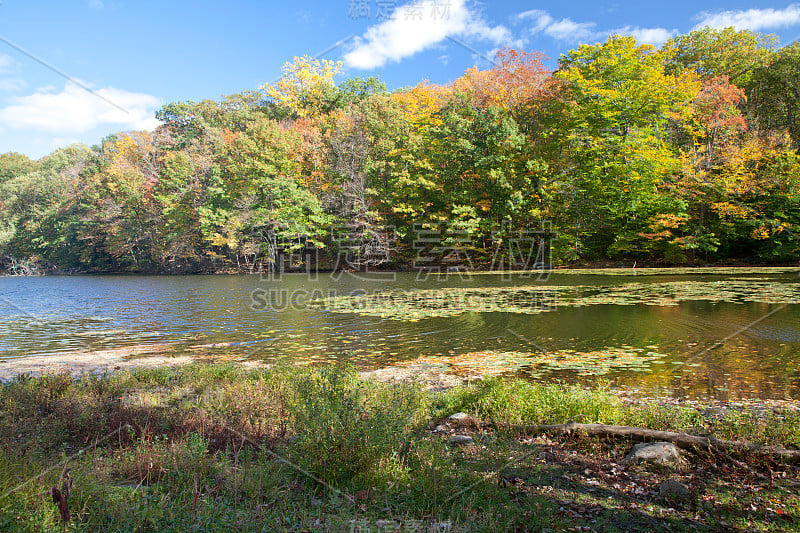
{"x":458,"y":416}
{"x":674,"y":491}
{"x":460,"y":440}
{"x":663,"y":453}
{"x":440,"y":428}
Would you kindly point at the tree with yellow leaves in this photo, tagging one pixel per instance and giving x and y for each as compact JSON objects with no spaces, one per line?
{"x":303,"y":78}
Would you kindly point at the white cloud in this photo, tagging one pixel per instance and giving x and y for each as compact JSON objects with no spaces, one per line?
{"x":12,"y":84}
{"x":751,"y":19}
{"x":570,"y":31}
{"x":417,"y":26}
{"x":563,"y":30}
{"x":540,"y":18}
{"x":654,"y":36}
{"x":6,"y":63}
{"x":75,"y":110}
{"x":96,"y":4}
{"x":60,"y":142}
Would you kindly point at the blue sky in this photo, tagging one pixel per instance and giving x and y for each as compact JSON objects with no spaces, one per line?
{"x":139,"y":55}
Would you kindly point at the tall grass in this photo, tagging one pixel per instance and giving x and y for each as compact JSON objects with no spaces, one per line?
{"x":351,"y":431}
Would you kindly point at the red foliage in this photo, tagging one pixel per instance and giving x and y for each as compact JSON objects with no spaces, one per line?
{"x":716,"y":105}
{"x":516,"y":78}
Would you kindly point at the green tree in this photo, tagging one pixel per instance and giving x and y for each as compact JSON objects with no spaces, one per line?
{"x":474,"y":156}
{"x":619,"y":103}
{"x":711,"y":53}
{"x":35,"y":222}
{"x":775,"y":93}
{"x":13,"y":164}
{"x":263,"y":200}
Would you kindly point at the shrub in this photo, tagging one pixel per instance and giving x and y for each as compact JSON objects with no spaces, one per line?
{"x":350,"y":430}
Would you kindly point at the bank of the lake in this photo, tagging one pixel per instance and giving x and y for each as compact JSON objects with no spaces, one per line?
{"x":221,"y":447}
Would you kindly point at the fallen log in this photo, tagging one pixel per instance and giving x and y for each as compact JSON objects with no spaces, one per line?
{"x":685,"y":441}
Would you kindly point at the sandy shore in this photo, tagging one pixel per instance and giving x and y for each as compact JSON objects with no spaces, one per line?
{"x":84,"y":362}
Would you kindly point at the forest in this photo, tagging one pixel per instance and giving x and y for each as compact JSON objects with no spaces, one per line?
{"x":687,"y":154}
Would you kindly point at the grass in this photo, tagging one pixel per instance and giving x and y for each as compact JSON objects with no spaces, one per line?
{"x":221,"y":448}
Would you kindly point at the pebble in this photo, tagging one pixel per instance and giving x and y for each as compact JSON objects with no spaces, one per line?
{"x":460,"y":440}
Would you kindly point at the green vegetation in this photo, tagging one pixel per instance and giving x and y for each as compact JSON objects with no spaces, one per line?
{"x":217,"y":447}
{"x":680,"y":155}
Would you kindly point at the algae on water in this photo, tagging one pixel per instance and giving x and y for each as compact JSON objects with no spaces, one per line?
{"x":480,"y":364}
{"x":411,"y":305}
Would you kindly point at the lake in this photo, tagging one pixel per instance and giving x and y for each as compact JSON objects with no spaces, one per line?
{"x":731,"y":333}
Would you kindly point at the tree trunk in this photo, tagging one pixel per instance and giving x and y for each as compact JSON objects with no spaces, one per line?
{"x":679,"y":439}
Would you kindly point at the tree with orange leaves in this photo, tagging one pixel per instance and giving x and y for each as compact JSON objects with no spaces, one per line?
{"x":517,"y":78}
{"x":716,"y":109}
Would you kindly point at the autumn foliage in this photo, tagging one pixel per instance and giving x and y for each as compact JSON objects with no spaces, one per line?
{"x":683,"y":154}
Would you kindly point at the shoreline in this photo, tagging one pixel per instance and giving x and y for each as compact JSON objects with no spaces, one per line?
{"x":598,"y":269}
{"x":105,"y":364}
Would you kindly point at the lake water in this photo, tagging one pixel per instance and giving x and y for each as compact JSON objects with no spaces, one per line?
{"x":733,"y":334}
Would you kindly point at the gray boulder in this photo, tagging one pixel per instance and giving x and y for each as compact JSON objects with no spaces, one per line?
{"x":460,"y":440}
{"x":674,"y":491}
{"x":663,"y":453}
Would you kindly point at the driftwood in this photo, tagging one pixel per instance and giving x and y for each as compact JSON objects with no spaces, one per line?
{"x":22,"y":267}
{"x":681,"y":440}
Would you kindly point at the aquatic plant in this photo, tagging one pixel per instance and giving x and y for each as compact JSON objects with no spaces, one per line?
{"x":412,"y":305}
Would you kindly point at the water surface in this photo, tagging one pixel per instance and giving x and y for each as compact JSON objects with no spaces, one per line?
{"x":709,"y":341}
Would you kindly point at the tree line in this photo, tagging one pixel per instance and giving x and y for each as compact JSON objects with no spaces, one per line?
{"x":683,"y":154}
